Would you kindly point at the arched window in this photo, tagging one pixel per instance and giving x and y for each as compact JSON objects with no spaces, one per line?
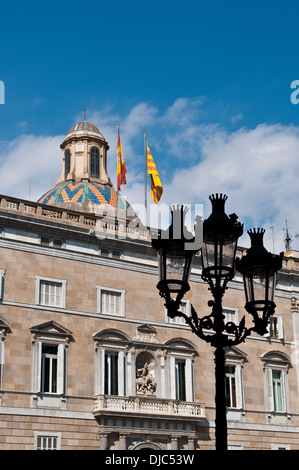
{"x":276,"y":367}
{"x":94,"y":162}
{"x":67,"y":163}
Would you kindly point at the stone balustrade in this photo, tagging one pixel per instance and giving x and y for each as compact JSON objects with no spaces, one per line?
{"x":147,"y":406}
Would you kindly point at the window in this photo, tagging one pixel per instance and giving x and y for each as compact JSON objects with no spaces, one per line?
{"x":49,"y":368}
{"x":280,"y":447}
{"x":235,"y":359}
{"x":275,"y":327}
{"x":67,"y":163}
{"x":180,"y":380}
{"x":231,"y":315}
{"x":55,"y":242}
{"x":276,"y":382}
{"x":50,"y":292}
{"x":94,"y":162}
{"x":47,"y":441}
{"x":2,"y":273}
{"x":230,"y":385}
{"x":278,"y":391}
{"x":184,"y":308}
{"x":1,"y":361}
{"x":49,"y":361}
{"x":111,"y":374}
{"x":110,"y":363}
{"x":111,"y":301}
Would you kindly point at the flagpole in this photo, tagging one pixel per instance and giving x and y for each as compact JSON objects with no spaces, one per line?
{"x":117,"y":190}
{"x":145,"y":178}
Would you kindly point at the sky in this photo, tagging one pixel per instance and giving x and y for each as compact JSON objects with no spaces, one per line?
{"x":210,"y":83}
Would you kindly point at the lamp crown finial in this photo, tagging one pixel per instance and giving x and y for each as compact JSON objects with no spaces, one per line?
{"x":217,"y":197}
{"x":218,"y":201}
{"x":256,"y":236}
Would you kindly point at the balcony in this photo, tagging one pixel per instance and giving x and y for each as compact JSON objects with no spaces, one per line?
{"x":147,"y":407}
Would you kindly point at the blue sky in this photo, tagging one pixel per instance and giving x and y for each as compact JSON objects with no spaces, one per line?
{"x":208,"y":81}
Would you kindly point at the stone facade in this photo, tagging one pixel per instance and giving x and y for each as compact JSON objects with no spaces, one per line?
{"x":124,"y":376}
{"x":89,"y":359}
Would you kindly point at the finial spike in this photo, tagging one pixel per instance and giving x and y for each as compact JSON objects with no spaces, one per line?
{"x":85,"y":112}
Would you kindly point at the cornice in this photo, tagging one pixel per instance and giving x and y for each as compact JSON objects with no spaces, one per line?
{"x":80,"y":234}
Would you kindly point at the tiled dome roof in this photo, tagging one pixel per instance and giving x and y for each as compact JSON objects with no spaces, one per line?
{"x":84,"y":126}
{"x":85,"y":192}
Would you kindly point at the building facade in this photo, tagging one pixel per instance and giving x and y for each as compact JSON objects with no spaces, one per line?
{"x":89,"y":359}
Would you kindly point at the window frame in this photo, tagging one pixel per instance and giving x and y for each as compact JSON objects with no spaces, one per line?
{"x":231,"y":315}
{"x":111,"y":376}
{"x":103,"y":383}
{"x":2,"y":274}
{"x":60,"y":367}
{"x":179,"y":320}
{"x":272,"y":394}
{"x":67,"y":163}
{"x":52,"y":242}
{"x":52,"y":334}
{"x":94,"y":162}
{"x":122,"y":302}
{"x":235,"y":358}
{"x":49,"y":373}
{"x":236,"y":379}
{"x":279,"y":328}
{"x":180,"y":380}
{"x":174,"y":376}
{"x":38,"y":434}
{"x":276,"y":361}
{"x":39,"y":280}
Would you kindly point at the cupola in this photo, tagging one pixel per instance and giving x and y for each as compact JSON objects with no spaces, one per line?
{"x":84,"y":182}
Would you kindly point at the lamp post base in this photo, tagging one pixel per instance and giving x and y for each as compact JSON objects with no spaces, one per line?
{"x":220,"y":400}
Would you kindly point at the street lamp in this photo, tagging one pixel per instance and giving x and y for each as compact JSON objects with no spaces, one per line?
{"x":174,"y":260}
{"x":220,"y":233}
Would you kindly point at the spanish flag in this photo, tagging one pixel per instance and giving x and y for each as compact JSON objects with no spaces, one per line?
{"x":121,"y":166}
{"x":156,"y":186}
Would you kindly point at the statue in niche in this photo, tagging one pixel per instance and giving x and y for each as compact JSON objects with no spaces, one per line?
{"x":145,"y":380}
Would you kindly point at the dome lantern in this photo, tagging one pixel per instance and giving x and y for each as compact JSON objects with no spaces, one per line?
{"x":84,"y":183}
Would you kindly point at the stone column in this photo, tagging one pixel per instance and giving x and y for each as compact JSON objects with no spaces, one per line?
{"x":122,"y":442}
{"x":191,"y":443}
{"x":103,"y":441}
{"x":174,"y":443}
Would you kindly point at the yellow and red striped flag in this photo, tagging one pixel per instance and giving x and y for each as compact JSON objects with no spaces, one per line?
{"x":156,"y":186}
{"x":121,"y":166}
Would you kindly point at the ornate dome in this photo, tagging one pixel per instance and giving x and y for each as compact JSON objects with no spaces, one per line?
{"x":86,"y":192}
{"x":84,"y":126}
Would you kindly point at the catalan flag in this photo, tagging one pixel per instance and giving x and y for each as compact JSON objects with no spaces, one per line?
{"x":121,"y":166}
{"x":156,"y":186}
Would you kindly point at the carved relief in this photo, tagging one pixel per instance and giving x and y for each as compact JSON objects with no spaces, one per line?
{"x":295,"y":304}
{"x":146,"y":333}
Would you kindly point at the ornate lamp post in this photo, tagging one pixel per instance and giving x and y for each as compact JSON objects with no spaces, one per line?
{"x":176,"y":249}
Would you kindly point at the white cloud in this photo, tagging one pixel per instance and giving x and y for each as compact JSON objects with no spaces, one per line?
{"x":257,"y":168}
{"x":30,"y":165}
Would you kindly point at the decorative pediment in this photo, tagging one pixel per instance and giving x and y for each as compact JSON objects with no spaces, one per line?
{"x":181,"y":343}
{"x":233,"y":353}
{"x":111,"y":335}
{"x":50,"y":329}
{"x":276,"y":358}
{"x":146,"y":334}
